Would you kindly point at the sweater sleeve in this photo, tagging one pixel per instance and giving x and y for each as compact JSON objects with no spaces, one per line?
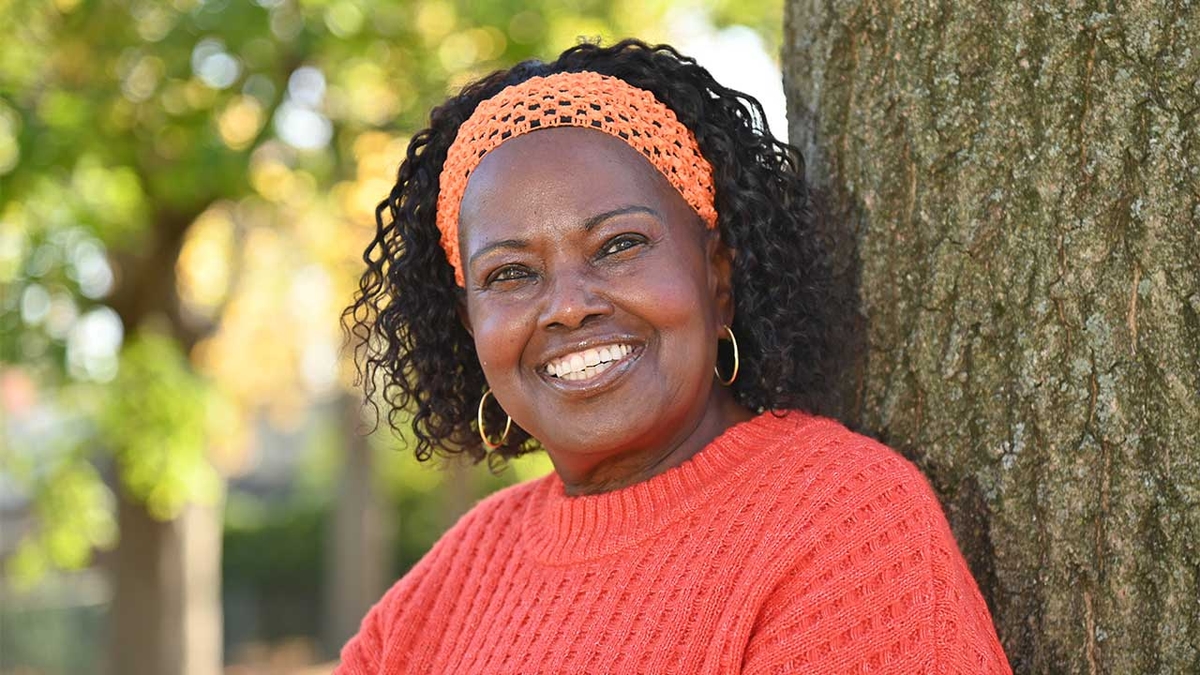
{"x":880,"y":587}
{"x":363,"y":654}
{"x":965,"y":637}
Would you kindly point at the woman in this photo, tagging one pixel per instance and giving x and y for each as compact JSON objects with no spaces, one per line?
{"x":566,"y":247}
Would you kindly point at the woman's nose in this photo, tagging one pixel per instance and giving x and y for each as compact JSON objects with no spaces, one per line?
{"x":571,"y":300}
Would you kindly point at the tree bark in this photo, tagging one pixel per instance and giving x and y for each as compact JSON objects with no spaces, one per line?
{"x":1021,"y":186}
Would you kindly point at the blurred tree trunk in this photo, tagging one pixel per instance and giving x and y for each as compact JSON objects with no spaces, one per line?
{"x":359,"y":550}
{"x":1020,"y":189}
{"x":166,"y":611}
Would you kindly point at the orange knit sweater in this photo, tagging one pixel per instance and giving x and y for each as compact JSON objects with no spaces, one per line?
{"x":788,"y":545}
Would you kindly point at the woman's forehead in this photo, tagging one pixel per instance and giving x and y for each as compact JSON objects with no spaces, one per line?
{"x":565,"y":166}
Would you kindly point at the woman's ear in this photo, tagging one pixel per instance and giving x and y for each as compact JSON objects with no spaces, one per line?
{"x":720,"y":270}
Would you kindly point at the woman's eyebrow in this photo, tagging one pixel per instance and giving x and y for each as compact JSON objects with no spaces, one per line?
{"x":503,"y":243}
{"x":595,"y":220}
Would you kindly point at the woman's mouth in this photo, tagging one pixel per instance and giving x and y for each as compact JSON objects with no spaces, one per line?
{"x":587,"y":363}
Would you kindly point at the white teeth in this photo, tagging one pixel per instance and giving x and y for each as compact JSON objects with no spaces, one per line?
{"x":588,"y":363}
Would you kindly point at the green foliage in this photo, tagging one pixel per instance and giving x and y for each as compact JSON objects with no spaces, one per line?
{"x":76,"y":510}
{"x":156,"y":424}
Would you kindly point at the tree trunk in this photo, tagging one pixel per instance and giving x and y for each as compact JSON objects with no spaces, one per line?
{"x":1021,"y":186}
{"x":166,"y":610}
{"x":358,"y":551}
{"x":166,"y":613}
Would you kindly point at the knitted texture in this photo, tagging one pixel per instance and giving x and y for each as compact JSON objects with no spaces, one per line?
{"x":587,"y":100}
{"x":788,"y":545}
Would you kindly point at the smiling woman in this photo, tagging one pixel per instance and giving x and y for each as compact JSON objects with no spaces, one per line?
{"x":565,"y":251}
{"x":577,"y":246}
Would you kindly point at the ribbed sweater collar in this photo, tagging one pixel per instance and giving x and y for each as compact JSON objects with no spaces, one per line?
{"x":561,"y":530}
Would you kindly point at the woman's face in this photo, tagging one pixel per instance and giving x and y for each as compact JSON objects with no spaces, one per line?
{"x":595,"y":296}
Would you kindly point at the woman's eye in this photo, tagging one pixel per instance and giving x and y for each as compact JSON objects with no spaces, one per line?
{"x":508,"y":273}
{"x":620,"y":243}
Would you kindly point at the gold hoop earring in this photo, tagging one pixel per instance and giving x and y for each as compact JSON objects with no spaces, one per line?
{"x":483,"y":434}
{"x":736,"y":360}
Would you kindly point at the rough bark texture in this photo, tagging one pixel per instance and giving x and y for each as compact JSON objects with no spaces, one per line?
{"x":1020,"y":184}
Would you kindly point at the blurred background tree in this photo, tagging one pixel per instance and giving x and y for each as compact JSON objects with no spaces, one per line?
{"x":185,"y":190}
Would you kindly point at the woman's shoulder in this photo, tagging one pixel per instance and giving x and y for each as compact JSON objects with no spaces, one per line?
{"x":498,"y":511}
{"x":858,"y":534}
{"x":826,"y":449}
{"x":490,"y":523}
{"x":830,"y":470}
{"x":403,"y":614}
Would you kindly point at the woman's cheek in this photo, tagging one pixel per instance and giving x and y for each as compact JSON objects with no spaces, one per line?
{"x":499,"y":340}
{"x":673,"y":304}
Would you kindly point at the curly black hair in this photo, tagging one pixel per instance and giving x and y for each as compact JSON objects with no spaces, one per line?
{"x":412,"y":349}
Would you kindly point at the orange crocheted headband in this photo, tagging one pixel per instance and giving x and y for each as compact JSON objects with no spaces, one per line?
{"x":587,"y":100}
